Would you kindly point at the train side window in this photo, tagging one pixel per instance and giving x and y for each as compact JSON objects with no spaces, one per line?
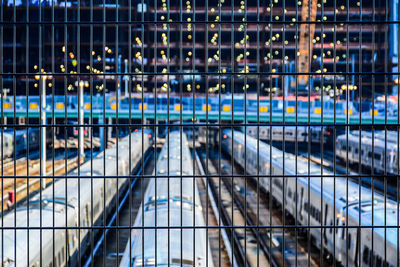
{"x":289,"y":193}
{"x":343,"y":231}
{"x":62,"y":254}
{"x":343,"y":147}
{"x":337,"y":224}
{"x":369,"y":154}
{"x":366,"y":255}
{"x":331,"y":228}
{"x":377,"y":156}
{"x":356,"y":151}
{"x":349,"y":241}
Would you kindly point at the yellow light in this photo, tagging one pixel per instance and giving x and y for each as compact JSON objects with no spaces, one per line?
{"x":35,"y":67}
{"x":190,"y":53}
{"x":63,"y":49}
{"x":106,"y":48}
{"x":50,"y":85}
{"x":189,"y":36}
{"x":37,"y":77}
{"x":35,"y":85}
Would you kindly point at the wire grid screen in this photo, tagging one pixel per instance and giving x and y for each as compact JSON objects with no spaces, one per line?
{"x":199,"y":133}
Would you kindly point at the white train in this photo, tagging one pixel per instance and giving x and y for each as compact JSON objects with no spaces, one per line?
{"x":344,"y":203}
{"x":66,"y":210}
{"x":175,"y":198}
{"x":348,"y":149}
{"x":290,"y":133}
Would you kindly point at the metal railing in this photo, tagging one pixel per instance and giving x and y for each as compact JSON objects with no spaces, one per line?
{"x":189,"y":133}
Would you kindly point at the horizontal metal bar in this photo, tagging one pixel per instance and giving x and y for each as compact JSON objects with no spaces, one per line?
{"x":193,"y":73}
{"x":194,"y":22}
{"x":172,"y":227}
{"x":226,"y":124}
{"x":245,"y":176}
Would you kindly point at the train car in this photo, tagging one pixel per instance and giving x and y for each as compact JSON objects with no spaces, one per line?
{"x":175,"y":198}
{"x":323,"y":204}
{"x":289,"y":133}
{"x":67,"y":209}
{"x":374,"y":154}
{"x":21,"y":139}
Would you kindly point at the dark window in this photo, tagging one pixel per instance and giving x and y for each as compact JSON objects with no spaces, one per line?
{"x":366,"y":255}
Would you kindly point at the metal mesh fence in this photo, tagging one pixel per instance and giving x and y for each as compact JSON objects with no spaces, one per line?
{"x":199,"y":133}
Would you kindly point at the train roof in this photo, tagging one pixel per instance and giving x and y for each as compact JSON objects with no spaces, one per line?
{"x":26,"y":219}
{"x":367,"y":139}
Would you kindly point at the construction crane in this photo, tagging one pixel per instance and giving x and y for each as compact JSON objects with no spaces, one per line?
{"x":307,"y":31}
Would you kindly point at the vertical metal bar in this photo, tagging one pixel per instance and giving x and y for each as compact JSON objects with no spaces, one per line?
{"x":81,"y":121}
{"x":43,"y":156}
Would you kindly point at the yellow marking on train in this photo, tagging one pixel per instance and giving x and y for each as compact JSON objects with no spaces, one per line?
{"x":375,"y":112}
{"x":142,"y":106}
{"x":205,"y":107}
{"x":317,"y":110}
{"x":33,"y":106}
{"x":226,"y":108}
{"x":290,"y":109}
{"x":59,"y":105}
{"x":177,"y":107}
{"x":350,"y":112}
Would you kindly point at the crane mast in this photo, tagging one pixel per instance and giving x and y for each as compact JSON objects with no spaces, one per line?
{"x":307,"y":31}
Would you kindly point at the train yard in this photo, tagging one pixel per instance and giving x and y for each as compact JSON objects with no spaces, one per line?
{"x":235,"y":219}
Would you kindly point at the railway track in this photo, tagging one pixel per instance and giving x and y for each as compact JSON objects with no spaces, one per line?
{"x":221,"y":248}
{"x":284,"y":248}
{"x":105,"y":251}
{"x":19,"y":177}
{"x":245,"y":241}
